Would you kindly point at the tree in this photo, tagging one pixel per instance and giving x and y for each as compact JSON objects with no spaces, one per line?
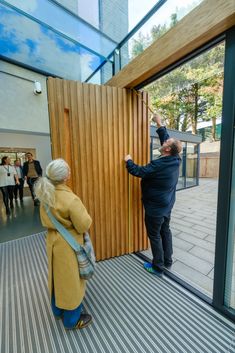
{"x":212,"y":91}
{"x":191,"y":93}
{"x":139,"y":44}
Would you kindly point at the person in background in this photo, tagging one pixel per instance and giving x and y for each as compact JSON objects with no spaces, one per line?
{"x":8,"y":179}
{"x":66,"y":288}
{"x":19,"y":188}
{"x":159,"y":180}
{"x":32,"y":171}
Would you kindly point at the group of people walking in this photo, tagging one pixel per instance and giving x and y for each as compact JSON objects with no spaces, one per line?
{"x":159,"y":180}
{"x":12,"y":178}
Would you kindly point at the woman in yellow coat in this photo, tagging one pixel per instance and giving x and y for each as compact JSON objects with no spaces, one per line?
{"x":66,"y":288}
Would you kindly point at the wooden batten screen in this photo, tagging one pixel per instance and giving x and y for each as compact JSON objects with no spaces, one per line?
{"x":93,"y":127}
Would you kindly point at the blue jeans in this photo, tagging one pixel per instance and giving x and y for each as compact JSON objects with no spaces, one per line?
{"x":159,"y":233}
{"x":70,"y":317}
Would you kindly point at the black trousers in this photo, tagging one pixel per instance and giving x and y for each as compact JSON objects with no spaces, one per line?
{"x":20,"y":188}
{"x":31,"y":182}
{"x":160,"y":236}
{"x":7,"y":194}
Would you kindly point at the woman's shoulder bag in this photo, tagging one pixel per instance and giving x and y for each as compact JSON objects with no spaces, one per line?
{"x":85,"y":254}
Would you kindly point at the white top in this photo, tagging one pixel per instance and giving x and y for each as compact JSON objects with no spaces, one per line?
{"x":6,"y":179}
{"x":19,"y":172}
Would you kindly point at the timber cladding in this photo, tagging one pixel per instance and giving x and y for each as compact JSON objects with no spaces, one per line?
{"x":93,"y":127}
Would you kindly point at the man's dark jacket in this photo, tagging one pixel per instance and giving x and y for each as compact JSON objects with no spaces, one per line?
{"x":36,"y":165}
{"x":159,"y":180}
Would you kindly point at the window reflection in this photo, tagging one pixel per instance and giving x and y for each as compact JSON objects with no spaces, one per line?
{"x":160,"y":22}
{"x":188,"y":173}
{"x":32,"y":44}
{"x":192,"y":165}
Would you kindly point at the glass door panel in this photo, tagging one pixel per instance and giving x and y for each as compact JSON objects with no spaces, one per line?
{"x":190,"y":99}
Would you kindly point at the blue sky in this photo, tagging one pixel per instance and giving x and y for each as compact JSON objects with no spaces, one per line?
{"x":26,"y":41}
{"x":30,"y":43}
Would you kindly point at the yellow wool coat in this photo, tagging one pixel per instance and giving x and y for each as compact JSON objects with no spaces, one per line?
{"x":63,"y":273}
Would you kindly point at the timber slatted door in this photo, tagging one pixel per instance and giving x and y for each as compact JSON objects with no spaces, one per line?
{"x":93,"y":127}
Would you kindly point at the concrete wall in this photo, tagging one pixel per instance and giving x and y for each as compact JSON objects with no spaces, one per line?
{"x":24,"y":119}
{"x":71,"y":5}
{"x":21,"y":109}
{"x":41,"y":143}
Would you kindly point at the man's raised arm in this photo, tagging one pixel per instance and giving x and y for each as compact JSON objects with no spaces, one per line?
{"x":162,"y":131}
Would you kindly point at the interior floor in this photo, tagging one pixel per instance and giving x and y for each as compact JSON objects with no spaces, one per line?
{"x":132,"y":310}
{"x":24,"y":220}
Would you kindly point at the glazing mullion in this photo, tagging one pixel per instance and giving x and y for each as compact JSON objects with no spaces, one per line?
{"x":225,"y":176}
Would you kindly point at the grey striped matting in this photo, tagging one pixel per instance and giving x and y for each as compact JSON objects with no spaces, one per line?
{"x":133,"y":311}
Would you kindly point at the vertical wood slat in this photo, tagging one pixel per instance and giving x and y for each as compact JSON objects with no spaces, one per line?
{"x":130,"y":183}
{"x":126,"y":235}
{"x":146,"y":154}
{"x":93,"y":128}
{"x":110,"y":123}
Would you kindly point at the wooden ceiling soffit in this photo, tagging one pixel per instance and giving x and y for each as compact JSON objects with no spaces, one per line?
{"x":208,"y":20}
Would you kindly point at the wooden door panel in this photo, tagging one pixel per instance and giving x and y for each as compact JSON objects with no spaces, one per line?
{"x":93,"y":127}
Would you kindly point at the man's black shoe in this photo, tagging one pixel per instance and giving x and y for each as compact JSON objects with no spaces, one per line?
{"x":168,"y":266}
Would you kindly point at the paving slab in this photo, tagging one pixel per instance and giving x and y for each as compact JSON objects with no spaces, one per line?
{"x":204,"y":228}
{"x":193,"y":277}
{"x":210,"y":238}
{"x":188,"y":230}
{"x":203,"y":254}
{"x":197,"y":241}
{"x":211,"y":274}
{"x":182,"y":244}
{"x":193,"y":261}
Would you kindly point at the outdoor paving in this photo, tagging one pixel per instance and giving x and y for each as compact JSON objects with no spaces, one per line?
{"x":193,"y":226}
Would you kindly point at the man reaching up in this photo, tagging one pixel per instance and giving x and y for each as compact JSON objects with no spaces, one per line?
{"x":158,"y":184}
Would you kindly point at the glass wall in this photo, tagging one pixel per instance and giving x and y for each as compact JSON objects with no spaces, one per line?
{"x":158,"y":24}
{"x":146,"y":22}
{"x":39,"y":46}
{"x":182,"y":172}
{"x":192,"y":166}
{"x":186,"y":97}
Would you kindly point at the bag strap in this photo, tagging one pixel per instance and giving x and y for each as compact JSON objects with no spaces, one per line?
{"x":63,"y":231}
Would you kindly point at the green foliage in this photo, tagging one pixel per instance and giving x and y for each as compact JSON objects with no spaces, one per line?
{"x":191,"y":93}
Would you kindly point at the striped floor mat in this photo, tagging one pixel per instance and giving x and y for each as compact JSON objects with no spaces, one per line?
{"x":133,"y":311}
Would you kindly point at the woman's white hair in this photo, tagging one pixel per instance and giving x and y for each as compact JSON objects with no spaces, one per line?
{"x":57,"y":172}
